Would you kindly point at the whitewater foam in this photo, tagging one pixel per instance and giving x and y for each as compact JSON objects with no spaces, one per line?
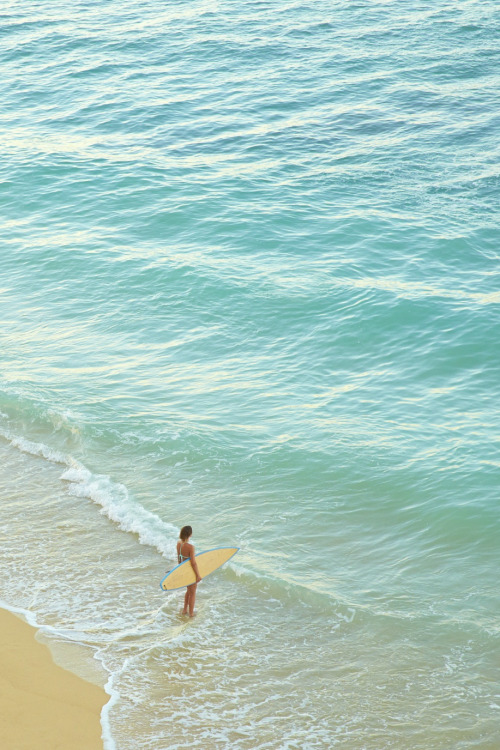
{"x":113,"y":497}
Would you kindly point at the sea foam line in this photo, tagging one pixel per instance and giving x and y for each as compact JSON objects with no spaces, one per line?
{"x":112,"y":497}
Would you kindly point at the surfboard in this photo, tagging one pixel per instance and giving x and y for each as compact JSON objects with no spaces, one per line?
{"x":183,"y":574}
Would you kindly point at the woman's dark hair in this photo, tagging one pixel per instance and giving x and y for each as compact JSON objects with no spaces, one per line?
{"x":186,"y":532}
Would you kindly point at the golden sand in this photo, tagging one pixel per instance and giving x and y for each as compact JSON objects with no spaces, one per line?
{"x":43,"y":707}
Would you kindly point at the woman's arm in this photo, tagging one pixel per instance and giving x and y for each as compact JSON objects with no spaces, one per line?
{"x":194,"y":563}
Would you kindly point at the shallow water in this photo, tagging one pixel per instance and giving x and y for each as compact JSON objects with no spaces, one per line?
{"x":250,"y":282}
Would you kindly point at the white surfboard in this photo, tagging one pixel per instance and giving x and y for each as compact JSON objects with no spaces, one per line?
{"x":184,"y":575}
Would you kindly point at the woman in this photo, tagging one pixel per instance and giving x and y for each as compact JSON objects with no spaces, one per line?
{"x":185,"y":551}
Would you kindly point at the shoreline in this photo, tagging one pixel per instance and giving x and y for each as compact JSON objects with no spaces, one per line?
{"x":41,"y":704}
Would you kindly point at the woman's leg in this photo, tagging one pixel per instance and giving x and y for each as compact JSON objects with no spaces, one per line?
{"x":192,"y":597}
{"x":186,"y":602}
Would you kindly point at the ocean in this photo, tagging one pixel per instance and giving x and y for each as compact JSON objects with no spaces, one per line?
{"x":250,"y":281}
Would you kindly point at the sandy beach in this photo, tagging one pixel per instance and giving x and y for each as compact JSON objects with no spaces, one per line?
{"x":42,"y":705}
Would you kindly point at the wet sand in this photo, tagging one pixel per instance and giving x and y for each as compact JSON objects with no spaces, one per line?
{"x":42,"y":706}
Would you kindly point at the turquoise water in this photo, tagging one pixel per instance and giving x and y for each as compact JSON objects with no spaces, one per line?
{"x":250,"y":281}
